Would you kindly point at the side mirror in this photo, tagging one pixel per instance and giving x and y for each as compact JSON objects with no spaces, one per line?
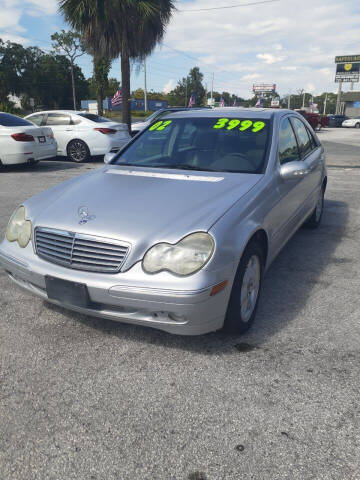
{"x":109,"y":156}
{"x":293,"y":170}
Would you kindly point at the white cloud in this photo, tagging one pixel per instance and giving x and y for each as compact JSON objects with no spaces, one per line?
{"x":269,"y":58}
{"x":169,"y":86}
{"x":294,"y":49}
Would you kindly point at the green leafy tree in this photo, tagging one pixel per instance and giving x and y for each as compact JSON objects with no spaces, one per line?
{"x":101,"y":71}
{"x":192,"y":83}
{"x":129,"y":28}
{"x":70,"y":45}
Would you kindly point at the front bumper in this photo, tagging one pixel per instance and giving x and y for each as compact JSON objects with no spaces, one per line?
{"x":123,"y":297}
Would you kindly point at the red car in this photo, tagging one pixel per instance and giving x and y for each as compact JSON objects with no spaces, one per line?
{"x":316,"y":120}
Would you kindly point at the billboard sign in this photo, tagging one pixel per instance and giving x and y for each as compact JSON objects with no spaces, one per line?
{"x":347,"y":59}
{"x":347,"y":72}
{"x":275,"y":103}
{"x":260,"y":88}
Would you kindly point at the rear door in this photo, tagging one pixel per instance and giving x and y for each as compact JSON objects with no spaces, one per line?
{"x":60,"y":124}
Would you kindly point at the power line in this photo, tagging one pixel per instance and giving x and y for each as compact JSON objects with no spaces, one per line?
{"x":230,"y":6}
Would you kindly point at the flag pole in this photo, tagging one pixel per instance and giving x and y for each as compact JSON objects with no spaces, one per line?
{"x":145,"y":91}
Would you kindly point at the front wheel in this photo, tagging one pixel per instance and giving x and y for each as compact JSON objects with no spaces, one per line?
{"x":78,"y":151}
{"x":246,"y":289}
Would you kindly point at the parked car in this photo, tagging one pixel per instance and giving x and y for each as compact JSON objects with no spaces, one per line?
{"x":316,"y":120}
{"x":136,"y":127}
{"x":22,"y":142}
{"x":352,"y":122}
{"x":80,"y":135}
{"x":177,"y":231}
{"x":336,"y":120}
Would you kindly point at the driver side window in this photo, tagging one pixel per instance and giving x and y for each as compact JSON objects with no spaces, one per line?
{"x":288,"y":147}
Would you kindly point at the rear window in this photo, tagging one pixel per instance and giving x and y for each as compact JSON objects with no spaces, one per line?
{"x":209,"y":143}
{"x":93,"y":117}
{"x":8,"y":120}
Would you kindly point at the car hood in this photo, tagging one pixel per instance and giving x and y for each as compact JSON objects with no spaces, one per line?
{"x":141,"y":206}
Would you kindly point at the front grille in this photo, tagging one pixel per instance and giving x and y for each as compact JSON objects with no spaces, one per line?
{"x":80,"y":252}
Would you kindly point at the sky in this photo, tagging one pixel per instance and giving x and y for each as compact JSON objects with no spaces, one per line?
{"x":287,"y":42}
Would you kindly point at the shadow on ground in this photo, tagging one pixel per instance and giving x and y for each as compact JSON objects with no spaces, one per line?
{"x":287,"y":287}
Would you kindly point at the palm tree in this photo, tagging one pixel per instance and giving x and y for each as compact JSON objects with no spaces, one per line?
{"x":129,"y":28}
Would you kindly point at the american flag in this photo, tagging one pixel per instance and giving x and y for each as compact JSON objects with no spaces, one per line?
{"x":222,"y":103}
{"x":192,"y":100}
{"x":117,"y":99}
{"x":260,"y":102}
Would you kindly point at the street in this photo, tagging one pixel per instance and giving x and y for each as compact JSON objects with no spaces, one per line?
{"x":85,"y":398}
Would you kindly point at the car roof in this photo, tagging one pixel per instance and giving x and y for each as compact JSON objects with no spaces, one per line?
{"x":232,"y":112}
{"x":68,"y":112}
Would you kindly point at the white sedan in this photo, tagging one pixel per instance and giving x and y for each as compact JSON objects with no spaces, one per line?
{"x":352,"y":123}
{"x":22,"y":142}
{"x":80,"y":135}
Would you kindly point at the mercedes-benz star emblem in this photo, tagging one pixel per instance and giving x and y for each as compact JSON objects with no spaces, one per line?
{"x":85,"y":215}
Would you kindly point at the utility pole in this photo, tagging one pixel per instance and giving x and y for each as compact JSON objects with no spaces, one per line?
{"x":303,"y":102}
{"x":289,"y":97}
{"x":338,"y":100}
{"x":145,"y":90}
{"x":212,"y":89}
{"x":186,"y":91}
{"x":324,"y":113}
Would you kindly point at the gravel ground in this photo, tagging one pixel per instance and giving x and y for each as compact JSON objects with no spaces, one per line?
{"x":83,"y":398}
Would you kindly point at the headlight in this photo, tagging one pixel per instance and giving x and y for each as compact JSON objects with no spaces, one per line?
{"x":18,"y":228}
{"x":184,"y":258}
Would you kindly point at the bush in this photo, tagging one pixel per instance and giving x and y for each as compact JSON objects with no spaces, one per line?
{"x":9,"y":107}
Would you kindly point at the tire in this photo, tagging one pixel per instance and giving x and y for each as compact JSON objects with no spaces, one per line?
{"x":33,"y":163}
{"x":357,"y":125}
{"x":77,"y":151}
{"x":315,"y":218}
{"x":239,"y":318}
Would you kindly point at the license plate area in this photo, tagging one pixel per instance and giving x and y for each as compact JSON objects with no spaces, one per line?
{"x":69,"y":293}
{"x":42,"y":139}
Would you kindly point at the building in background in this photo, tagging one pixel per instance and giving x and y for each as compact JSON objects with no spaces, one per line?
{"x":351,"y":101}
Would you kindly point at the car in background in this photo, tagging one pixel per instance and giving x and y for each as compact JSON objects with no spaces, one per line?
{"x":316,"y":120}
{"x":22,"y":142}
{"x":336,"y":120}
{"x":177,"y":231}
{"x":80,"y":135}
{"x":352,"y":122}
{"x":136,"y":127}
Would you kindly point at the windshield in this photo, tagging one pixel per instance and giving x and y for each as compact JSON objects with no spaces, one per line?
{"x":94,"y":118}
{"x":154,"y":115}
{"x":212,"y":144}
{"x":8,"y":120}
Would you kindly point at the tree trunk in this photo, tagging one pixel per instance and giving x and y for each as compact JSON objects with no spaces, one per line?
{"x":125,"y":83}
{"x":100,"y":101}
{"x":73,"y":84}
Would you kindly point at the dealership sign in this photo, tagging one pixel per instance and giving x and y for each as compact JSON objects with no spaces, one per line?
{"x":347,"y":68}
{"x":264,"y":88}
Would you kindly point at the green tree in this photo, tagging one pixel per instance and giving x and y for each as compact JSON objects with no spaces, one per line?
{"x":101,"y":81}
{"x":192,"y":83}
{"x":70,"y":45}
{"x":129,"y":28}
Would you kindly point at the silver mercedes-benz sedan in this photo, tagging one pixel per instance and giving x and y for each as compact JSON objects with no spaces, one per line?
{"x":178,"y":229}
